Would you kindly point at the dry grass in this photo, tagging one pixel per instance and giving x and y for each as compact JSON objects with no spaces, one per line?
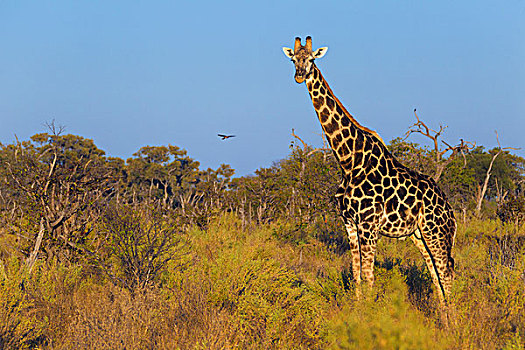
{"x":252,"y":289}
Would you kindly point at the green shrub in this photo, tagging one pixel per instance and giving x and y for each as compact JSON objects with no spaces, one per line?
{"x":385,"y":320}
{"x":140,"y":244}
{"x":254,"y":286}
{"x":488,"y":296}
{"x":267,"y":303}
{"x":20,"y":326}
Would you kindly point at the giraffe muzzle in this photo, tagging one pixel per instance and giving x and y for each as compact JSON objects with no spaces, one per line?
{"x":299,"y":78}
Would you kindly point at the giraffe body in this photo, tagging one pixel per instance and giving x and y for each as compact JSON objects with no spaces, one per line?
{"x":378,"y":195}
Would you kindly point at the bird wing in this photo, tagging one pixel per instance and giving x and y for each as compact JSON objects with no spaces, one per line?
{"x":224,"y":137}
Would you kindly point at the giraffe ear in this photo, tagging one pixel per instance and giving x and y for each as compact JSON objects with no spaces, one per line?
{"x":320,"y":52}
{"x":288,"y":52}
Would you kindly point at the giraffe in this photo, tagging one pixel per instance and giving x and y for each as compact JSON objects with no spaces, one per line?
{"x":378,"y":196}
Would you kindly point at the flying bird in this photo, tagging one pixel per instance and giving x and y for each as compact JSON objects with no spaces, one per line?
{"x":224,"y":137}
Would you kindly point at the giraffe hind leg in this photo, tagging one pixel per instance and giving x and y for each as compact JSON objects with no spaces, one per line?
{"x":437,"y":259}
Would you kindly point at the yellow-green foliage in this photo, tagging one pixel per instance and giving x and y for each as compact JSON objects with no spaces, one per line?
{"x":253,"y":288}
{"x":489,"y":290}
{"x":250,"y":279}
{"x":20,"y":326}
{"x":384,"y":319}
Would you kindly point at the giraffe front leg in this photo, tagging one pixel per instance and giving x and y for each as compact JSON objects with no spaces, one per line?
{"x":368,"y":243}
{"x":363,"y":248}
{"x":353,"y":240}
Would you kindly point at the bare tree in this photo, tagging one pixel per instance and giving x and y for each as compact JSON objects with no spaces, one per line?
{"x":434,"y":135}
{"x":140,"y":242}
{"x":483,"y":189}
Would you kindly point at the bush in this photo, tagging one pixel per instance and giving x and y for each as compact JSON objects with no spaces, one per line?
{"x":249,"y":288}
{"x":141,"y":243}
{"x":20,"y":328}
{"x":386,"y":320}
{"x":267,"y":303}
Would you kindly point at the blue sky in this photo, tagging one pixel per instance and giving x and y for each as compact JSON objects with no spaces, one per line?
{"x":133,"y":73}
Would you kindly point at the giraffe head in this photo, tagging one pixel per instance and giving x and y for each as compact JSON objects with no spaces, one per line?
{"x":303,"y":58}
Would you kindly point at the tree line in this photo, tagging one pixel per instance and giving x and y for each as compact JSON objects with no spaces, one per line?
{"x":62,"y":198}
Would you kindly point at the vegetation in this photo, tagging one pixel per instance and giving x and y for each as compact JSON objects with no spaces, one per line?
{"x":155,"y":253}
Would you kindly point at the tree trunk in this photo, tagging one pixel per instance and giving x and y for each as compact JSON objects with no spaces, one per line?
{"x":485,"y":184}
{"x":32,"y":257}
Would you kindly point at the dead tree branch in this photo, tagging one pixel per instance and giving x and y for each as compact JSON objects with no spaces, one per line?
{"x":441,"y":163}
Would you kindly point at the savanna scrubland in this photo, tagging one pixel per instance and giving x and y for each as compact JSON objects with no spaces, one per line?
{"x":153,"y":252}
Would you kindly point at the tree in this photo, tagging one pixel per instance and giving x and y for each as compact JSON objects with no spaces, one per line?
{"x":413,"y":155}
{"x":161,"y":174}
{"x":512,"y":210}
{"x":440,"y":161}
{"x":58,"y":182}
{"x":504,"y":172}
{"x":311,"y":175}
{"x":208,"y":197}
{"x":140,"y":243}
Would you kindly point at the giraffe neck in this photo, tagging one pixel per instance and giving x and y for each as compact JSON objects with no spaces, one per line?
{"x":345,"y":135}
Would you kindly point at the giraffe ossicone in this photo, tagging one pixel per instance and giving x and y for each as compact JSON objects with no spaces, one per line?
{"x":378,"y":196}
